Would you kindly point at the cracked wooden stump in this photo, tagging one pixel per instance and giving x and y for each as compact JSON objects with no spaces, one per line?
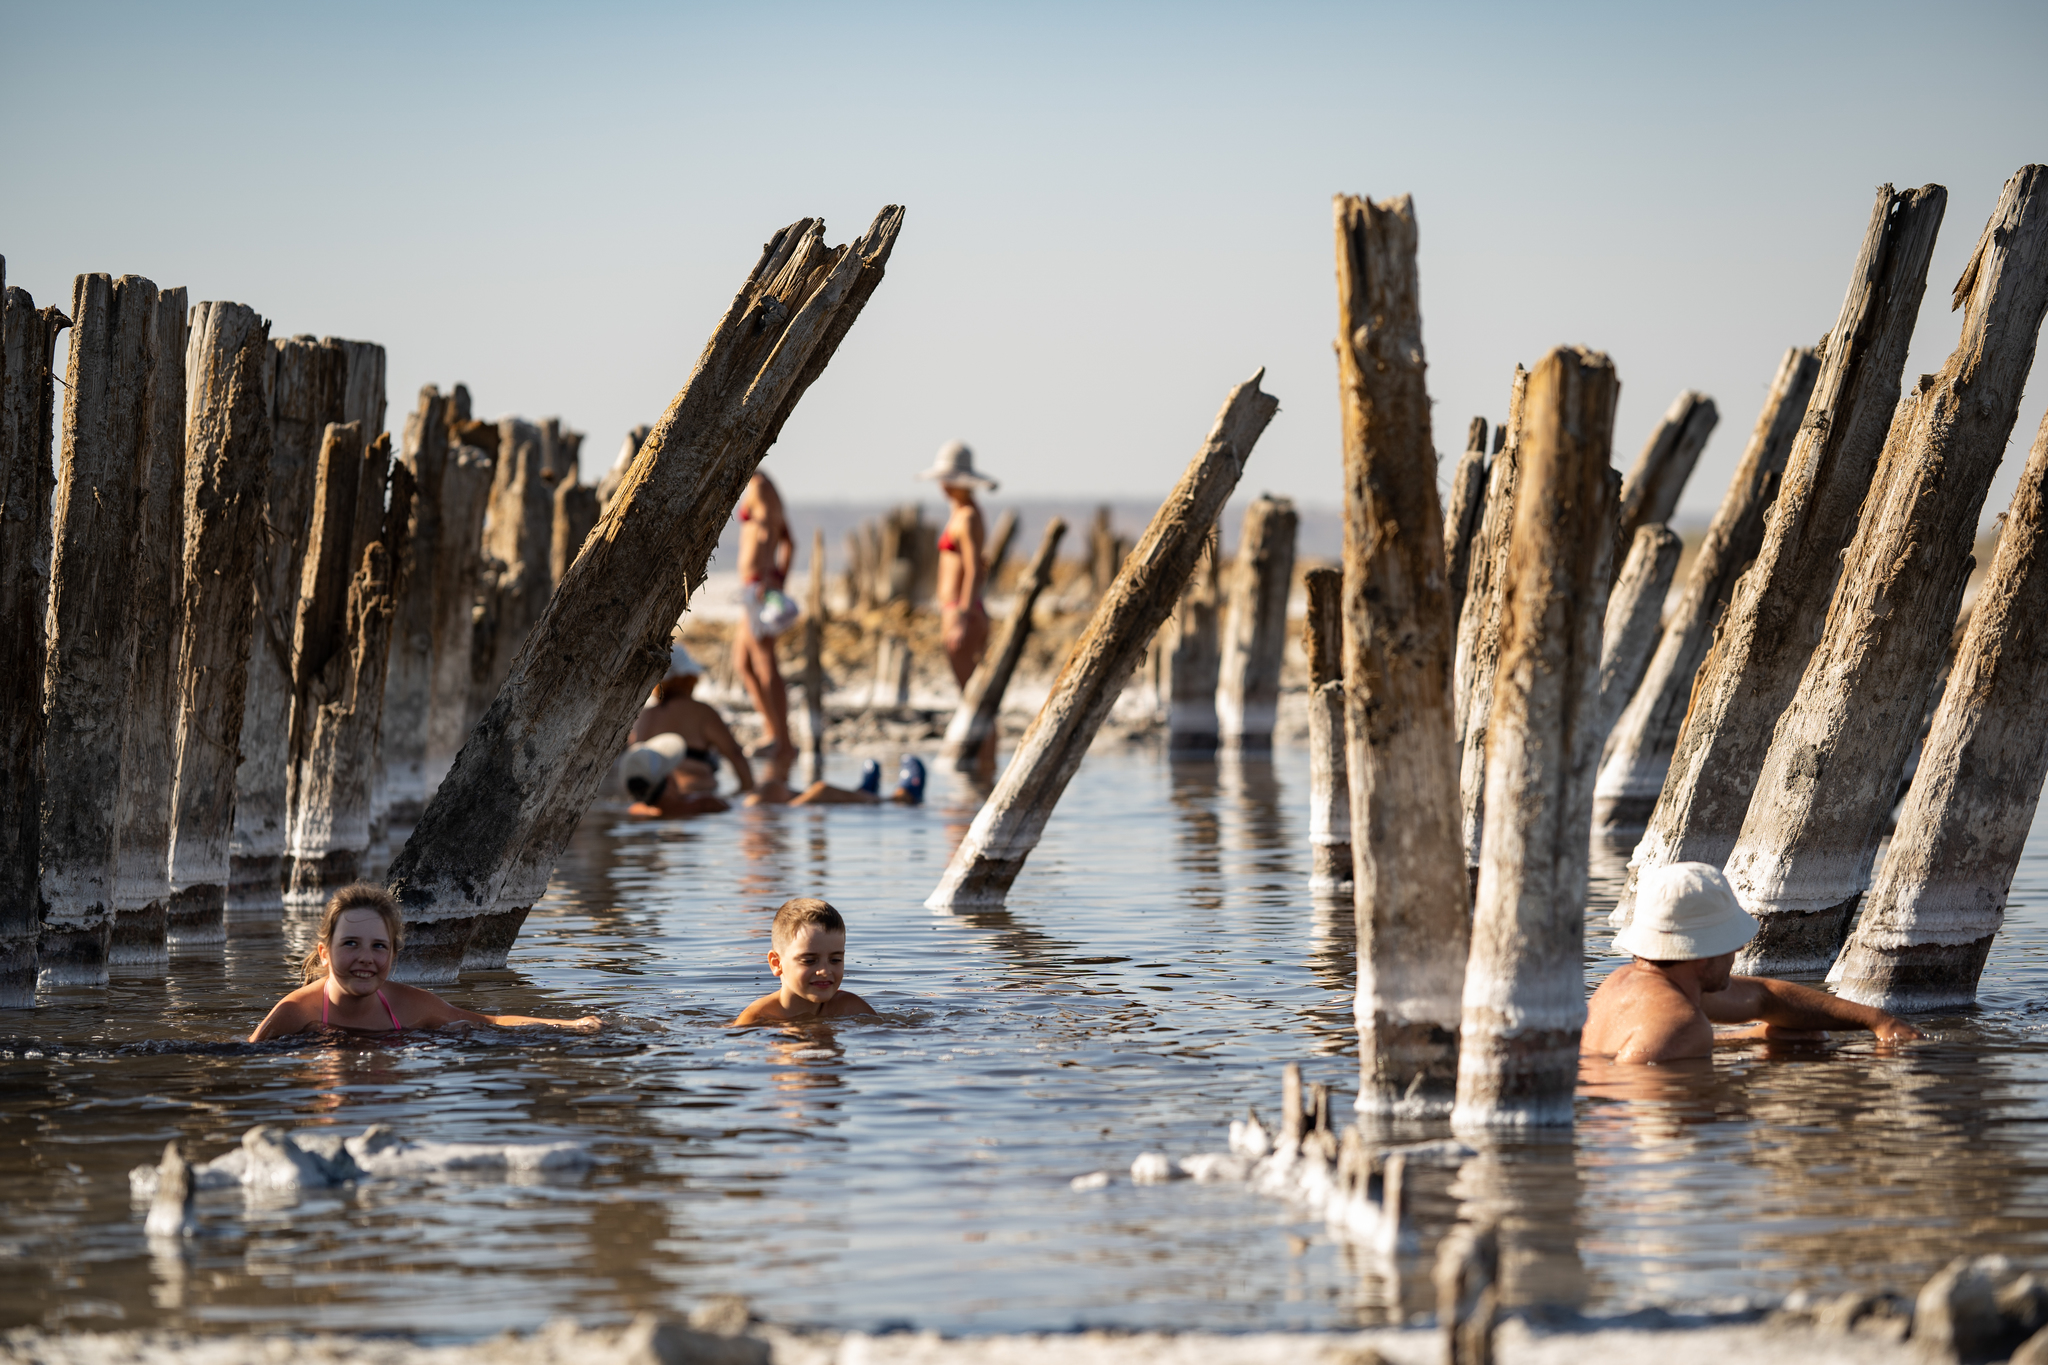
{"x":227,"y":467}
{"x":981,"y":704}
{"x":1254,"y":635}
{"x":1479,"y":626}
{"x":1329,"y":795}
{"x":1188,"y":660}
{"x":1777,"y":611}
{"x":102,"y":479}
{"x":1462,"y":513}
{"x":1649,"y":493}
{"x":1524,"y":992}
{"x":1640,"y":745}
{"x":1137,"y":603}
{"x":1835,"y":762}
{"x":488,"y":839}
{"x":1409,"y":890}
{"x":1635,"y":608}
{"x":1939,"y":899}
{"x":456,"y":577}
{"x":409,"y":676}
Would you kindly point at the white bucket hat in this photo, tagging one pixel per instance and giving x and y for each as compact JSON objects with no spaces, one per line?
{"x":680,"y":664}
{"x":955,"y":464}
{"x":643,"y":766}
{"x":1685,"y":911}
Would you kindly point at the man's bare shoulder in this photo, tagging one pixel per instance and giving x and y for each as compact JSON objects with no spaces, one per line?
{"x":1638,"y":1016}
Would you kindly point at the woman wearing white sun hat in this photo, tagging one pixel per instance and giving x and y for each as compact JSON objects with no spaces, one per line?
{"x":1663,"y":1006}
{"x":962,"y":567}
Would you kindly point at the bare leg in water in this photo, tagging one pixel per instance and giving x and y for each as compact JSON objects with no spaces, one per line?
{"x":754,"y":660}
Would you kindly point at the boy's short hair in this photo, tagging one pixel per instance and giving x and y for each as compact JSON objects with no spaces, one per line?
{"x":799,"y":913}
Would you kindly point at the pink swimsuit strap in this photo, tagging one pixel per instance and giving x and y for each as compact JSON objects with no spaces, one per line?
{"x":396,"y":1027}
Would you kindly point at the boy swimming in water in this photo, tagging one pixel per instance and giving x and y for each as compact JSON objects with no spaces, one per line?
{"x":347,"y":985}
{"x":809,"y":953}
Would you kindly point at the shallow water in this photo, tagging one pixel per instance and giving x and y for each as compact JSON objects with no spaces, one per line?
{"x":1160,"y":961}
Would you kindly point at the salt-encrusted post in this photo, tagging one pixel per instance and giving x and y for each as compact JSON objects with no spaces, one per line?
{"x":409,"y":679}
{"x":457,"y":573}
{"x":487,"y":842}
{"x":1634,"y":610}
{"x":575,"y":514}
{"x":1775,"y":616}
{"x":1255,"y":629}
{"x":1189,"y":659}
{"x":814,"y":658}
{"x":1463,"y":512}
{"x":999,"y":544}
{"x":28,"y":336}
{"x":102,"y":478}
{"x":981,"y":703}
{"x":1137,"y":603}
{"x":1409,"y":889}
{"x":1807,"y":845}
{"x":1649,"y":495}
{"x":1479,"y":625}
{"x":1928,"y":923}
{"x":1639,"y":747}
{"x":1329,"y":790}
{"x":227,"y":467}
{"x":142,"y":813}
{"x":1524,"y":997}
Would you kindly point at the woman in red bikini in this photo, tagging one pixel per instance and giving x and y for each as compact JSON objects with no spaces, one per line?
{"x":963,"y":573}
{"x":346,"y":979}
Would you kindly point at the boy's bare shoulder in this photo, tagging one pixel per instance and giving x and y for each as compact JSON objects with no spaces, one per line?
{"x":766,"y":1010}
{"x":846,"y":1002}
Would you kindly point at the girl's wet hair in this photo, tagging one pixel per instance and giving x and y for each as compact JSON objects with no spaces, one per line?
{"x":361,"y":896}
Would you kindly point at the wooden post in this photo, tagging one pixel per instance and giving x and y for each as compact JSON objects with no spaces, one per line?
{"x":814,"y":658}
{"x":1524,"y":998}
{"x":409,"y":681}
{"x":1255,"y":631}
{"x":1649,"y":495}
{"x":458,"y":568}
{"x":1468,"y":1292}
{"x":309,"y":385}
{"x":1189,"y":659}
{"x":142,"y":815}
{"x":518,"y":532}
{"x":999,"y":545}
{"x":1102,"y":555}
{"x":1329,"y":791}
{"x":1832,"y":774}
{"x":1008,"y":825}
{"x":102,"y":479}
{"x":1409,"y":891}
{"x":1927,"y":925}
{"x":575,"y":513}
{"x":1775,"y":616}
{"x":1463,"y":512}
{"x":1640,"y":744}
{"x":981,"y":702}
{"x":616,"y":475}
{"x":28,"y":336}
{"x":483,"y":850}
{"x":227,"y":469}
{"x":1635,"y":609}
{"x":1479,"y":625}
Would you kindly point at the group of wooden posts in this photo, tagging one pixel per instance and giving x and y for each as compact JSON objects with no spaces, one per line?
{"x":243,"y":638}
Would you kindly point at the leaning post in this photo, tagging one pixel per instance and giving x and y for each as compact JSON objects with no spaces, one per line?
{"x":1462,"y":513}
{"x":1329,"y":790}
{"x":1634,"y":612}
{"x":981,"y":703}
{"x":1649,"y":493}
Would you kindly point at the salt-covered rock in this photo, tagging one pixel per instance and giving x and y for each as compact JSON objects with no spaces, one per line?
{"x":1210,"y":1167}
{"x":170,"y":1209}
{"x":1956,"y":1317}
{"x":274,"y":1162}
{"x":1151,"y":1168}
{"x":1094,"y":1180}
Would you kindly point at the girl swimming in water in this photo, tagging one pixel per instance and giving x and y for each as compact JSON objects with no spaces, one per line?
{"x":346,"y":979}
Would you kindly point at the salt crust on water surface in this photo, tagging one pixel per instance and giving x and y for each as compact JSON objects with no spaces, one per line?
{"x":271,"y":1159}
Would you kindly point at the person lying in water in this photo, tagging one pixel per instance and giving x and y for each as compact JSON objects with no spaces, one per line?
{"x":348,"y":986}
{"x":672,"y":768}
{"x":808,"y":951}
{"x":1663,"y":1006}
{"x":909,"y":789}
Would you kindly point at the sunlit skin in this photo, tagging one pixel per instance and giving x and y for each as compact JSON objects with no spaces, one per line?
{"x":811,"y":965}
{"x":358,"y":957}
{"x":1663,"y":1012}
{"x":962,"y":577}
{"x":766,"y":552}
{"x":691,"y":787}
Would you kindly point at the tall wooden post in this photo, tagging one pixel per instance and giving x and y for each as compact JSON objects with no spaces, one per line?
{"x":1649,"y":495}
{"x":487,"y":842}
{"x":1639,"y":747}
{"x":1463,"y":512}
{"x":575,"y":514}
{"x":1634,"y":611}
{"x":1927,"y":925}
{"x":1524,"y":997}
{"x":1190,"y":658}
{"x":457,"y":576}
{"x":981,"y":703}
{"x":409,"y":679}
{"x":1007,"y":827}
{"x":1329,"y":790}
{"x":1807,"y":845}
{"x":1479,"y":625}
{"x":227,"y":467}
{"x":1409,"y":888}
{"x":28,"y":336}
{"x":1775,"y":617}
{"x":102,"y":477}
{"x":999,"y":544}
{"x":1255,"y":629}
{"x":142,"y":814}
{"x":814,"y":658}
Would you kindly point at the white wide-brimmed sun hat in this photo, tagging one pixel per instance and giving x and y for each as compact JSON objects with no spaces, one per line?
{"x":954,"y":464}
{"x":1684,"y":911}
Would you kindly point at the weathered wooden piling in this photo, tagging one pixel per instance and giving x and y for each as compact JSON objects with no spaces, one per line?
{"x":309,"y":387}
{"x":1467,"y":1277}
{"x":1189,"y":658}
{"x":1462,"y":514}
{"x":1634,"y":614}
{"x":1832,"y":773}
{"x":575,"y":514}
{"x":629,"y":450}
{"x":409,"y":678}
{"x":487,"y":842}
{"x":1775,"y":615}
{"x":981,"y":702}
{"x":999,"y":541}
{"x":28,"y":336}
{"x":1007,"y":827}
{"x":102,"y":479}
{"x":227,"y":469}
{"x":1640,"y":744}
{"x":1329,"y":794}
{"x":1479,"y":626}
{"x":1939,"y":899}
{"x":1409,"y":889}
{"x":1649,"y":494}
{"x":814,"y":659}
{"x":1254,"y":635}
{"x":142,"y":814}
{"x":518,"y":532}
{"x":1524,"y":995}
{"x":457,"y":575}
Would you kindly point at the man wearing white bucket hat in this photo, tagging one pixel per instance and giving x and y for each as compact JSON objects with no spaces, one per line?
{"x":1663,"y":1006}
{"x":672,"y":768}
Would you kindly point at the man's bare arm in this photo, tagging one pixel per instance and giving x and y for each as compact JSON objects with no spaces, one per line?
{"x":1784,"y":1004}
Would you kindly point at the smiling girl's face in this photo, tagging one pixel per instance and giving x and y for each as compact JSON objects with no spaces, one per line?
{"x":358,"y":952}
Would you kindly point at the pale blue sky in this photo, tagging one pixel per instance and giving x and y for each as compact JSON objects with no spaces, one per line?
{"x":1114,"y":211}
